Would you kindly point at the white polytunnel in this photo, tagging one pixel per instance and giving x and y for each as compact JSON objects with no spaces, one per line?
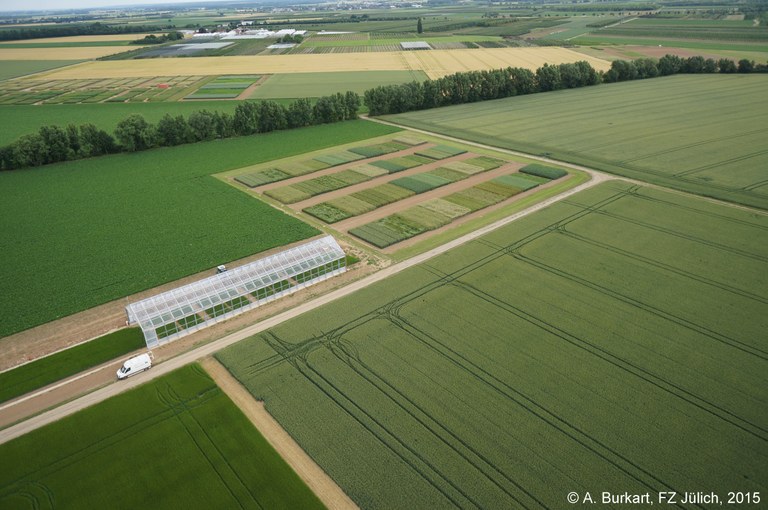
{"x":184,"y":310}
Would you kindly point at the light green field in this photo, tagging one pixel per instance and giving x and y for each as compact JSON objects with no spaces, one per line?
{"x":704,"y":134}
{"x":83,"y":233}
{"x":324,"y":84}
{"x":178,"y":442}
{"x":612,"y":342}
{"x":14,"y":68}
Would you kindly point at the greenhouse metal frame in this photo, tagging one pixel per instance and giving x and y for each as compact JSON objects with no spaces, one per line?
{"x":184,"y":310}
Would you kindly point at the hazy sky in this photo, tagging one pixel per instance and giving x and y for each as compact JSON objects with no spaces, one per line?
{"x":26,"y":5}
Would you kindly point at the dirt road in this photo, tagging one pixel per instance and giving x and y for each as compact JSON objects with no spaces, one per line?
{"x":313,"y":475}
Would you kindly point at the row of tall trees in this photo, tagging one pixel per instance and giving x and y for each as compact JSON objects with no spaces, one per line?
{"x":52,"y":144}
{"x":475,"y":86}
{"x":642,"y":68}
{"x":64,"y":30}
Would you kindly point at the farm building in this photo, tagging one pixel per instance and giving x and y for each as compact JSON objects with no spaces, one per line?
{"x":184,"y":310}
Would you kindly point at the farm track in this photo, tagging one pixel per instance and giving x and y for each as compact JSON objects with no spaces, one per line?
{"x":318,"y":481}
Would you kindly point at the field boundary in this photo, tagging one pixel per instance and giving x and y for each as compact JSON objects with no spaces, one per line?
{"x":312,"y":474}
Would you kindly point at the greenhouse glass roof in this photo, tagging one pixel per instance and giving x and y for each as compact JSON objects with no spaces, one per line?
{"x":191,"y":307}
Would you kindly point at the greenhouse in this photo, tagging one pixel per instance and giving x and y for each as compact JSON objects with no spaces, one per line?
{"x":179,"y":312}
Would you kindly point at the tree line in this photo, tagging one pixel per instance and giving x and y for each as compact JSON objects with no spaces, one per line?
{"x":163,"y":38}
{"x":472,"y":86}
{"x":35,"y":32}
{"x":52,"y":144}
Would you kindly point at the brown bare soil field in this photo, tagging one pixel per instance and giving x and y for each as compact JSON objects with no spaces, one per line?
{"x":313,"y":475}
{"x":86,"y":52}
{"x":435,"y":63}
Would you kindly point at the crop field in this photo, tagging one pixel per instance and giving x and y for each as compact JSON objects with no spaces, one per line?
{"x":19,"y":120}
{"x":661,"y":131}
{"x":61,"y":53}
{"x":103,"y":228}
{"x":740,"y":48}
{"x":434,"y":63}
{"x":177,"y":442}
{"x":439,"y":212}
{"x":720,"y":30}
{"x":224,"y":87}
{"x":395,"y":39}
{"x":63,"y":364}
{"x":15,"y":68}
{"x":121,"y":90}
{"x":387,"y":172}
{"x":366,"y":200}
{"x":324,"y":84}
{"x":611,"y":342}
{"x":275,"y":171}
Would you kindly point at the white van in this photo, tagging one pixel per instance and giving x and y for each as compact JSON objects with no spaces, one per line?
{"x":135,"y":365}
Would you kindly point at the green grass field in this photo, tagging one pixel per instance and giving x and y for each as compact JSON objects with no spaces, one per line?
{"x":14,"y":68}
{"x":44,"y":371}
{"x":19,"y":120}
{"x":702,"y":134}
{"x":178,"y":442}
{"x":325,"y":84}
{"x":611,"y":342}
{"x":82,"y":233}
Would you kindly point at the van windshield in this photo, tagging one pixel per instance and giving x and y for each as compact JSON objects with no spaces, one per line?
{"x":125,"y":369}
